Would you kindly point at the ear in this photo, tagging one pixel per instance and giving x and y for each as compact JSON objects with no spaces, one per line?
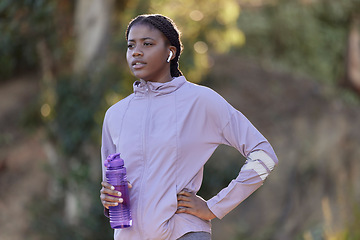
{"x":173,"y":50}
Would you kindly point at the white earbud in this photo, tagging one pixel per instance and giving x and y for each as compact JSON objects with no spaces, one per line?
{"x":170,"y":56}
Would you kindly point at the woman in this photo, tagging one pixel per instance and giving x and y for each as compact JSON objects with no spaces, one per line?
{"x":166,"y":131}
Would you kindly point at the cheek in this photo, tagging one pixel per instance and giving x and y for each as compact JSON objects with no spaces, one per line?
{"x":160,"y":57}
{"x":128,"y":57}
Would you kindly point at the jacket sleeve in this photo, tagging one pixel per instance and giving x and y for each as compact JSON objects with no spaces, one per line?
{"x":261,"y":160}
{"x":107,"y":147}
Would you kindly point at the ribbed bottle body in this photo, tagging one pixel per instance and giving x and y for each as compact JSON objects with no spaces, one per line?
{"x":120,"y":215}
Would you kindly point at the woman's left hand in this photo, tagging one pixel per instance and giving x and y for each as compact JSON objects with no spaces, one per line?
{"x":193,"y":204}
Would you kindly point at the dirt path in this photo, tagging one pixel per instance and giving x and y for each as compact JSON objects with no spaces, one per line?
{"x":21,"y":159}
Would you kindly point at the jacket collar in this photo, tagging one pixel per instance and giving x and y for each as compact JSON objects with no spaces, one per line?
{"x":141,"y":86}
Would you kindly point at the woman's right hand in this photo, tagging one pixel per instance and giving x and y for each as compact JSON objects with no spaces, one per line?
{"x":107,"y":200}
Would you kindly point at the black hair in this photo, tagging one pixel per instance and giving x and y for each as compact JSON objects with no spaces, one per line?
{"x":170,"y":31}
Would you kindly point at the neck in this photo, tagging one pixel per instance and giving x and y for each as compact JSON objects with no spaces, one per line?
{"x":162,"y":79}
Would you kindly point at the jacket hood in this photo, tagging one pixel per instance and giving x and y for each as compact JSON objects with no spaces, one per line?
{"x":142,"y":86}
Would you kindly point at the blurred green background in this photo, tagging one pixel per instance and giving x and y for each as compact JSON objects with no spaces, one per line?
{"x":291,"y":66}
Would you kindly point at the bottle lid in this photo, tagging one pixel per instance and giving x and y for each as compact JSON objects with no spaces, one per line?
{"x":114,"y":161}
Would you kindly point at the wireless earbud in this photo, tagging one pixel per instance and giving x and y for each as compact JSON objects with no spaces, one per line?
{"x":170,"y":56}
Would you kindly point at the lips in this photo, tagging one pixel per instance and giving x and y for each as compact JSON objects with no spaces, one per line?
{"x":138,"y":64}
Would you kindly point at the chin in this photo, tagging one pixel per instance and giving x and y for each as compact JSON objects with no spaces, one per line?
{"x":138,"y":75}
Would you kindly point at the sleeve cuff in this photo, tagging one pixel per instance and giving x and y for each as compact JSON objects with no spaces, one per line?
{"x":216,"y":211}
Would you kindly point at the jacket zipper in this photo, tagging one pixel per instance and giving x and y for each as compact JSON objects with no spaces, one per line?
{"x":144,"y":143}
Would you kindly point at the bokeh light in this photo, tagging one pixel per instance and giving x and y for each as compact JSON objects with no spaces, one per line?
{"x":201,"y":47}
{"x":45,"y":110}
{"x":196,"y":15}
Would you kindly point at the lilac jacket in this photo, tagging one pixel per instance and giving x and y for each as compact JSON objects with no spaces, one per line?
{"x":166,"y":132}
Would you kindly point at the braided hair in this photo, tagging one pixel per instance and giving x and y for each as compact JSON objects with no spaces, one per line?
{"x":170,"y":31}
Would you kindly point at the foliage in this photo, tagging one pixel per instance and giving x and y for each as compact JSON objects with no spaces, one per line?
{"x":77,"y":99}
{"x":307,"y":38}
{"x":19,"y":36}
{"x":73,"y":125}
{"x":49,"y":223}
{"x":330,"y":231}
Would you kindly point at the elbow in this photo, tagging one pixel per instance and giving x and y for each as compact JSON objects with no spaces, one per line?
{"x":262,"y":163}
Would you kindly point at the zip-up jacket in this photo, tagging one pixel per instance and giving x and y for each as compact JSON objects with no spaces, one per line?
{"x":165,"y":133}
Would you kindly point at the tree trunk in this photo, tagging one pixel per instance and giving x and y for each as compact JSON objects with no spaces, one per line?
{"x":92,"y":29}
{"x":352,"y":77}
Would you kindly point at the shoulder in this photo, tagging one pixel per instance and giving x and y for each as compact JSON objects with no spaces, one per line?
{"x":207,"y":97}
{"x":207,"y":101}
{"x":204,"y":93}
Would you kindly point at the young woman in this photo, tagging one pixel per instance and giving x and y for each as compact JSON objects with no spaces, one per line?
{"x":166,"y":131}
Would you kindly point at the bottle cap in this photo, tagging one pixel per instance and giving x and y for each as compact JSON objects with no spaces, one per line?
{"x":114,"y":161}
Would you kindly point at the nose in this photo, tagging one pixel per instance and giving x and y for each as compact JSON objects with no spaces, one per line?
{"x":137,"y":52}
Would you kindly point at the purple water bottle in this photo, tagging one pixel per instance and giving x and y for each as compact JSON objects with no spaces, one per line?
{"x":120,"y":215}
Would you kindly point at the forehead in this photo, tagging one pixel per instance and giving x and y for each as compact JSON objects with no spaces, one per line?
{"x":143,"y":31}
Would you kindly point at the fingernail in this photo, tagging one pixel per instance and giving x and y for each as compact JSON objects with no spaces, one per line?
{"x":121,"y":200}
{"x":112,"y":188}
{"x":115,"y":204}
{"x":119,"y":193}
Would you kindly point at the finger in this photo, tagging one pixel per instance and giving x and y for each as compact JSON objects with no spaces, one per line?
{"x":107,"y":204}
{"x":129,"y":185}
{"x":107,"y":185}
{"x":110,"y":192}
{"x":184,"y":204}
{"x":183,"y":198}
{"x":184,"y":210}
{"x":108,"y":198}
{"x":181,"y":210}
{"x":185,"y":193}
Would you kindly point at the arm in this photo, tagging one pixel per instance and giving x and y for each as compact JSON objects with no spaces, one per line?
{"x":242,"y":135}
{"x":261,"y":160}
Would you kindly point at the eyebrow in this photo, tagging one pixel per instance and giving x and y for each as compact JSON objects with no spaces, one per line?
{"x":143,"y":39}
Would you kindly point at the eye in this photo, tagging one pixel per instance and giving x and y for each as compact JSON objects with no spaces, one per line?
{"x":130,"y":45}
{"x":148,"y":44}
